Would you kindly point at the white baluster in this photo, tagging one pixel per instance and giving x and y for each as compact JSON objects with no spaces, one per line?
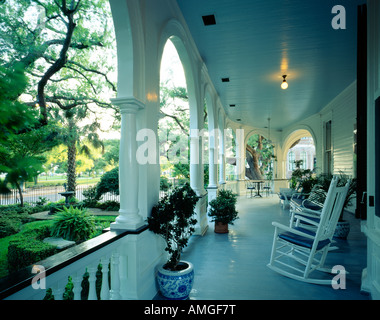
{"x":77,"y":281}
{"x":92,"y":282}
{"x":105,"y":291}
{"x":115,"y":279}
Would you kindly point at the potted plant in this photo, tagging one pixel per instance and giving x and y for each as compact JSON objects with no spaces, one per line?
{"x":343,"y":227}
{"x":223,"y":210}
{"x":172,"y":219}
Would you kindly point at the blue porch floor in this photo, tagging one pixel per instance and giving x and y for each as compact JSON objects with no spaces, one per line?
{"x":233,"y":266}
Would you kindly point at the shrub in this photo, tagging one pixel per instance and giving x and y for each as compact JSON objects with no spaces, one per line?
{"x":165,"y":185}
{"x":41,"y":201}
{"x":11,"y":221}
{"x":223,"y":208}
{"x":8,"y":226}
{"x":109,"y":205}
{"x":73,"y":224}
{"x":24,"y":252}
{"x":16,"y":208}
{"x":90,"y":200}
{"x":28,"y":248}
{"x":109,"y":182}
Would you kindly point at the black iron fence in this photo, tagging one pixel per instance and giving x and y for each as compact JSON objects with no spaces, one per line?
{"x":34,"y":194}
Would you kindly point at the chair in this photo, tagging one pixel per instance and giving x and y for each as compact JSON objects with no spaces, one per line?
{"x":250,"y":187}
{"x":300,"y":201}
{"x":285,"y":195}
{"x":267,"y":187}
{"x":297,"y":252}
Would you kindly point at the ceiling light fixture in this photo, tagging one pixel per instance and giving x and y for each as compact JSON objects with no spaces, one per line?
{"x":284,"y":84}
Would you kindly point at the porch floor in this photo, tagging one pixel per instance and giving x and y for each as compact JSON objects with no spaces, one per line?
{"x":233,"y":266}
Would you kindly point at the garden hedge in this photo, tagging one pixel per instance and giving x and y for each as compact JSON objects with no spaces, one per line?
{"x":29,"y":248}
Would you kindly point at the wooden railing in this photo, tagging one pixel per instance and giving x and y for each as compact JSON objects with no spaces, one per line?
{"x":103,"y":260}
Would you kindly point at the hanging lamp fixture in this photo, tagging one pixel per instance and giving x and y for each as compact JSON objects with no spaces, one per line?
{"x":284,"y":84}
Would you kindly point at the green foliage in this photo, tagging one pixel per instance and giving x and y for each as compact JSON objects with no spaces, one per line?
{"x":21,"y":156}
{"x":323,"y":184}
{"x":73,"y":224}
{"x":65,"y":49}
{"x":11,"y":219}
{"x":9,"y":226}
{"x":28,"y":248}
{"x":302,"y":179}
{"x":109,"y":205}
{"x":90,"y":200}
{"x":164,"y":183}
{"x":223,"y":208}
{"x":109,"y":182}
{"x":15,"y":115}
{"x":172,"y":219}
{"x":182,"y":170}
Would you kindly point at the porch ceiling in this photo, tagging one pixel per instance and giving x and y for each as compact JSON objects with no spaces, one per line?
{"x":255,"y":42}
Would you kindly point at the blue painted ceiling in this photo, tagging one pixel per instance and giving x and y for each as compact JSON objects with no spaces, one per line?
{"x":254,"y":43}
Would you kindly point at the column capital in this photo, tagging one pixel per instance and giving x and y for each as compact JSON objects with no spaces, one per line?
{"x":128,"y":104}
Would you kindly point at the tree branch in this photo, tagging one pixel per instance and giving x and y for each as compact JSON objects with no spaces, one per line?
{"x":93,"y":71}
{"x":57,"y":65}
{"x":176,"y":120}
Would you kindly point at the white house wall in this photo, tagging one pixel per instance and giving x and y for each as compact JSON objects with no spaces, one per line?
{"x":343,"y":111}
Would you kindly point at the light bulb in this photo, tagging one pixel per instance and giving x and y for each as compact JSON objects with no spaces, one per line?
{"x":284,"y":84}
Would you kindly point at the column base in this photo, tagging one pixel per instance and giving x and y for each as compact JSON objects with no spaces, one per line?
{"x":127,"y":221}
{"x":127,"y":226}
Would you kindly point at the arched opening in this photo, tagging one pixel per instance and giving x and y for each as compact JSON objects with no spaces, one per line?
{"x":128,"y":68}
{"x":300,"y":146}
{"x":206,"y":146}
{"x":259,"y":157}
{"x":174,"y":121}
{"x":230,"y":153}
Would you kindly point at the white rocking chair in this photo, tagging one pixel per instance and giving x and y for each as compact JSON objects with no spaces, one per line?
{"x":297,"y":251}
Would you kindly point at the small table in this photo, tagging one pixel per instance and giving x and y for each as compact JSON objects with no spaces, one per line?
{"x":258,"y":187}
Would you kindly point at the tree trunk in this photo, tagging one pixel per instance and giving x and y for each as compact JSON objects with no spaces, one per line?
{"x":20,"y":193}
{"x":252,"y":156}
{"x":71,"y":165}
{"x":58,"y":64}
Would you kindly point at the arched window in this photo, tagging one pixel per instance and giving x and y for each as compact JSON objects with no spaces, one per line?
{"x":291,"y":158}
{"x":303,"y":157}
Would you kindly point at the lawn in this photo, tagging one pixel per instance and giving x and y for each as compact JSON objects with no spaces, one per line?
{"x":60,"y":180}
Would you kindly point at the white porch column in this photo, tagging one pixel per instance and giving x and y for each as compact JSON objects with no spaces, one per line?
{"x":240,"y":160}
{"x":212,"y":188}
{"x":222,"y":157}
{"x":196,"y":181}
{"x":129,"y":218}
{"x":195,"y":161}
{"x":213,"y":159}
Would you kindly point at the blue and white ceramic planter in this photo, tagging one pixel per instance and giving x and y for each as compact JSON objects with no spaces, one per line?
{"x":176,"y":285}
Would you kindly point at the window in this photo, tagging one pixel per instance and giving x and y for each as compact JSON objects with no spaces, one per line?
{"x":303,"y":157}
{"x":328,"y":148}
{"x":291,"y":158}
